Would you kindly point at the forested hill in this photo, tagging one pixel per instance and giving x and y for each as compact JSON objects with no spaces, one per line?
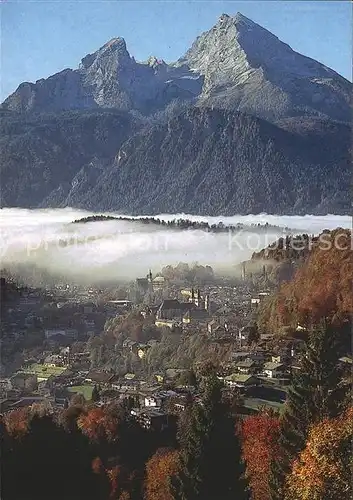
{"x":183,"y":224}
{"x":44,"y":156}
{"x":321,"y":288}
{"x":193,"y":160}
{"x":216,"y":162}
{"x":279,"y":261}
{"x":288,"y":248}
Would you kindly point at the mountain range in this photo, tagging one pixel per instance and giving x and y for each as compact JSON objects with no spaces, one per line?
{"x":240,"y":124}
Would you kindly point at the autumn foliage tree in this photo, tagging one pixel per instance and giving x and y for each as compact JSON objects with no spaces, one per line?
{"x":160,"y":469}
{"x":17,"y":422}
{"x":320,"y":289}
{"x":260,"y":446}
{"x":323,"y":470}
{"x":98,"y":424}
{"x":122,"y":447}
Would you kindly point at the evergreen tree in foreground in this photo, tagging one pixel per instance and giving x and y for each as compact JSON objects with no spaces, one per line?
{"x":95,"y":394}
{"x":210,"y":456}
{"x":317,"y":392}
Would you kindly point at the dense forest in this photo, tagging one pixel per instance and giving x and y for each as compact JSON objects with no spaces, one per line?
{"x":218,"y":162}
{"x":183,"y":224}
{"x":194,"y":160}
{"x":321,"y":287}
{"x":47,"y":154}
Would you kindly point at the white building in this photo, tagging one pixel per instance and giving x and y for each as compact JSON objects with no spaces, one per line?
{"x":274,"y":370}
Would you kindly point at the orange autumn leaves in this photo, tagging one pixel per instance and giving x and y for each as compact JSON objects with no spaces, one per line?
{"x":323,"y":470}
{"x":259,"y":437}
{"x":260,"y":446}
{"x":325,"y":281}
{"x":98,"y":424}
{"x":321,"y":288}
{"x":161,"y":467}
{"x":17,"y":421}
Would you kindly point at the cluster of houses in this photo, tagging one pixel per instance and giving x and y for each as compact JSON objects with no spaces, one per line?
{"x":220,"y":311}
{"x":54,"y":375}
{"x":66,"y":315}
{"x":254,"y":368}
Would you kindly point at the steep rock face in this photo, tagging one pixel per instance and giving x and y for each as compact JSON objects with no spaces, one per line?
{"x":237,"y":65}
{"x":194,"y":136}
{"x":56,"y":93}
{"x":248,"y":68}
{"x":114,"y":79}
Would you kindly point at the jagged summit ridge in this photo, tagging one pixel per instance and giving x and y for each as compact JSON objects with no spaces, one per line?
{"x":237,"y":64}
{"x":238,"y":36}
{"x":218,"y":55}
{"x":239,"y":18}
{"x":193,"y":151}
{"x":248,"y":68}
{"x":114,"y":48}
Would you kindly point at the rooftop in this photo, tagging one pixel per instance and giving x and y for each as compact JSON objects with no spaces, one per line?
{"x":238,"y":377}
{"x":44,"y":371}
{"x":272,"y":366}
{"x":246,"y":363}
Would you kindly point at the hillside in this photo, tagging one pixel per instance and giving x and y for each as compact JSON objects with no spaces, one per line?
{"x":201,"y":161}
{"x":321,"y":288}
{"x":182,"y":224}
{"x":217,"y":162}
{"x":46,"y":155}
{"x":279,"y":261}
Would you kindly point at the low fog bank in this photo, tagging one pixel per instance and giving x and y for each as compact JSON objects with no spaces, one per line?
{"x":109,"y":251}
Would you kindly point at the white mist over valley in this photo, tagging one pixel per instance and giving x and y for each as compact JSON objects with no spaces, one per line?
{"x":118,"y":250}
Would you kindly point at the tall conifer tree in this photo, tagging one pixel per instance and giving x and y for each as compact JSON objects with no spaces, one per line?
{"x":317,"y":392}
{"x":211,"y":464}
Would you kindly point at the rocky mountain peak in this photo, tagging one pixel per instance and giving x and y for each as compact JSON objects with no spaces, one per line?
{"x":238,"y":20}
{"x":237,"y":64}
{"x":223,"y":18}
{"x":115,"y":43}
{"x":218,"y":54}
{"x":226,"y":37}
{"x":115,"y":49}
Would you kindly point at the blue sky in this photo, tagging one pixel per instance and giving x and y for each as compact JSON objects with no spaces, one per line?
{"x":41,"y":37}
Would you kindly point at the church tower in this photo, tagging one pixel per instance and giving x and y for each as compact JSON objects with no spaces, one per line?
{"x":150,"y":287}
{"x":198,"y":299}
{"x":243,"y":271}
{"x":207,"y":302}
